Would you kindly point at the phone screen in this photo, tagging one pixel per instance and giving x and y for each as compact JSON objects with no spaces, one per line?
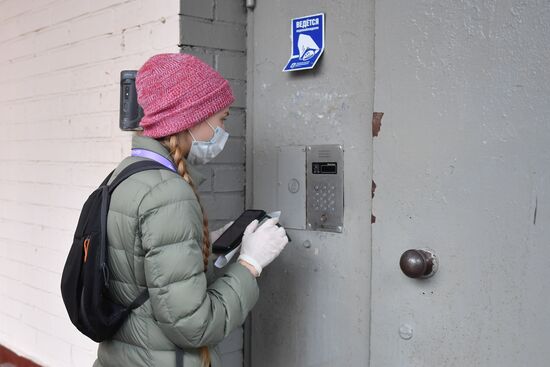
{"x":234,"y":234}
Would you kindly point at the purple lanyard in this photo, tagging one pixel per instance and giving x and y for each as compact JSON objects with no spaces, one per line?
{"x":154,"y":156}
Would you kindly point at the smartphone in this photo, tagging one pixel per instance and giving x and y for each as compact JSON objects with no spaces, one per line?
{"x":130,"y":110}
{"x":233,"y":235}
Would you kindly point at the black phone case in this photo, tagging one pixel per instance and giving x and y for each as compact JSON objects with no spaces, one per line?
{"x":234,"y":234}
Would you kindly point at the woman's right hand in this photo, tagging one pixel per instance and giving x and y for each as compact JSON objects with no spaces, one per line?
{"x":261,"y":245}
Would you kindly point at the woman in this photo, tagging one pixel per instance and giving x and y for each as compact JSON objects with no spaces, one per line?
{"x":158,"y":231}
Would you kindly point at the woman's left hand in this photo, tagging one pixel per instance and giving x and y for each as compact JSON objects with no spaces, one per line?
{"x":214,"y":235}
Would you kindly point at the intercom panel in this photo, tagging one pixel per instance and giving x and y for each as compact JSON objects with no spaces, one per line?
{"x":325,"y":187}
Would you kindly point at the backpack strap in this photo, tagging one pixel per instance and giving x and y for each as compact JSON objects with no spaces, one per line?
{"x":107,"y":178}
{"x":124,"y":174}
{"x":179,"y":357}
{"x":132,"y":169}
{"x":143,"y":296}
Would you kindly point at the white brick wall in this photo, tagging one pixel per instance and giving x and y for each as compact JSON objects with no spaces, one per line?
{"x":59,"y":95}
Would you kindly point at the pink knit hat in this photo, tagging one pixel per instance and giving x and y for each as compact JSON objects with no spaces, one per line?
{"x":178,"y":91}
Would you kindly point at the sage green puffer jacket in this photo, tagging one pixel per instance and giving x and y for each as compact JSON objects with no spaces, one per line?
{"x":154,"y":228}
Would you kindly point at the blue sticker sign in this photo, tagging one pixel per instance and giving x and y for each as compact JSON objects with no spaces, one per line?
{"x":308,"y":42}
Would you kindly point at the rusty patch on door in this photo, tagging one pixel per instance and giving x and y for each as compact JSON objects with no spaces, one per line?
{"x":373,"y":188}
{"x":376,"y":122}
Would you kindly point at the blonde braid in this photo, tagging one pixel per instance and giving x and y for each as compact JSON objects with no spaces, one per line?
{"x":171,"y":142}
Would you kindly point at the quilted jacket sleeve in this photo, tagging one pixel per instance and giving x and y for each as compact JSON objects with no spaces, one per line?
{"x":189,"y":312}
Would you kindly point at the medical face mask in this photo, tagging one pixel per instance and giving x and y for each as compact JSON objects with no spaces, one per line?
{"x":204,"y":151}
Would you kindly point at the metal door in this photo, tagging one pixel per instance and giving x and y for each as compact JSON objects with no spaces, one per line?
{"x":461,"y":166}
{"x":314,"y":302}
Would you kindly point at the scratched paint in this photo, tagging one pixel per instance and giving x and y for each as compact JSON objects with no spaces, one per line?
{"x":376,"y":122}
{"x":376,"y":125}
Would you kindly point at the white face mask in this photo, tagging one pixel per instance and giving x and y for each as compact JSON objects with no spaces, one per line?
{"x":204,"y":151}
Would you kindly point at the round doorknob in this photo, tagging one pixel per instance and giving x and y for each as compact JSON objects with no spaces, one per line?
{"x":419,"y":263}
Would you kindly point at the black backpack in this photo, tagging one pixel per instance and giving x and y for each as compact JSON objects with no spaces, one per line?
{"x":85,"y":279}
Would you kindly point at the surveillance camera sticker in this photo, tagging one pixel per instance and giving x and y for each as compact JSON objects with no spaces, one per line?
{"x":308,"y":42}
{"x":307,"y":46}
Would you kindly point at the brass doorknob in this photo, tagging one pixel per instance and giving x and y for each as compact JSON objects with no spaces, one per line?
{"x":419,"y":263}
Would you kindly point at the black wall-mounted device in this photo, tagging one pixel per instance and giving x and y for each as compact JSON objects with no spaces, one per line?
{"x":130,"y":110}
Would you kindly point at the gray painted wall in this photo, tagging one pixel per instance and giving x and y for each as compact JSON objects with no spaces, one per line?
{"x":314,"y":305}
{"x":215,"y":31}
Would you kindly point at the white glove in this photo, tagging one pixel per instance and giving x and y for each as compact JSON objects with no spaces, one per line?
{"x":214,"y":235}
{"x":261,"y":245}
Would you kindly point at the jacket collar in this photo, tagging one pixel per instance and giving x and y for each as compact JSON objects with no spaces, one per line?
{"x":145,"y":142}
